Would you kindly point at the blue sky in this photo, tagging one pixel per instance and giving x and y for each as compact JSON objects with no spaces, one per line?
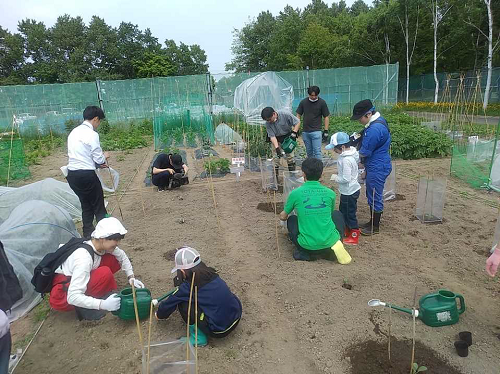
{"x":208,"y":23}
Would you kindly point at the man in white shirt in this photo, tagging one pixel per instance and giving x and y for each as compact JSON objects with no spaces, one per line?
{"x":85,"y":154}
{"x":83,"y":283}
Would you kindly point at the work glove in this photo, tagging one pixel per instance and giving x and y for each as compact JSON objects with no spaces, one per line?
{"x":325,"y":136}
{"x":136,"y":282}
{"x":334,"y":177}
{"x":492,"y":262}
{"x":279,"y":152}
{"x":155,"y":302}
{"x":110,"y":304}
{"x":294,"y":135}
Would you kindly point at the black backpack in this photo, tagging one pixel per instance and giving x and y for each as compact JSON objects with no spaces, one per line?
{"x":10,"y":289}
{"x":44,"y":272}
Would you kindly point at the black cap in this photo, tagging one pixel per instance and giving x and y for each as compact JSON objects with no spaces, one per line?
{"x":361,"y":108}
{"x":176,"y":161}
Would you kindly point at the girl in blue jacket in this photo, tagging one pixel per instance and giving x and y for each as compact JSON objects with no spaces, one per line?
{"x":219,"y":310}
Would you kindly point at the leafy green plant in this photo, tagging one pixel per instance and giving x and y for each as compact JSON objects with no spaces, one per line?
{"x":171,"y":149}
{"x":417,"y":369}
{"x":179,"y":136}
{"x":191,"y":139}
{"x":70,"y":124}
{"x":217,"y":166}
{"x":35,"y":149}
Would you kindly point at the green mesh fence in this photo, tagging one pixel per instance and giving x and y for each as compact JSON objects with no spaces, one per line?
{"x":422,"y":86}
{"x":41,"y":109}
{"x":475,"y":157}
{"x":340,"y":88}
{"x":12,"y":165}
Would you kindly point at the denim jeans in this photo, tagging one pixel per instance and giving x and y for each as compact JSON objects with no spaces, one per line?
{"x":348,"y":206}
{"x":312,"y":141}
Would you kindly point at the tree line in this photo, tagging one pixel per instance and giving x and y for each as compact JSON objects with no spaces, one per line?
{"x":422,"y":35}
{"x":71,"y":51}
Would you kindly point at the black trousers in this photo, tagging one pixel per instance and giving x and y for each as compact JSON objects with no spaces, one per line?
{"x":5,"y":346}
{"x":348,"y":207}
{"x":305,"y":254}
{"x":202,"y":323}
{"x":88,"y":188}
{"x":162,"y":180}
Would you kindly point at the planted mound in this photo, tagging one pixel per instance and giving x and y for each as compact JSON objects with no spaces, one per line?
{"x":371,"y":357}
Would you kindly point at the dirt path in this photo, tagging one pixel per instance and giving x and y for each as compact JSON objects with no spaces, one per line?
{"x":297,"y":317}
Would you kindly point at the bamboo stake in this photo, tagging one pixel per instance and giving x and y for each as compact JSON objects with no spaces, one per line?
{"x":149,"y":334}
{"x":10,"y":152}
{"x":187,"y":326}
{"x":137,"y":315}
{"x":373,"y":206}
{"x":276,"y":225}
{"x":390,"y":324}
{"x":413,"y":344}
{"x":196,"y":329}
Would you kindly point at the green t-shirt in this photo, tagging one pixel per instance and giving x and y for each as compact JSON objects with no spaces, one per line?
{"x":314,"y":204}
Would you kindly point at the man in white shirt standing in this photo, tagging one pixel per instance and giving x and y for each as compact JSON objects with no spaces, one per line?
{"x":85,"y":281}
{"x":85,"y":154}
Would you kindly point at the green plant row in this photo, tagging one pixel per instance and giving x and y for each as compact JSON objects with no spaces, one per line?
{"x":217,"y":166}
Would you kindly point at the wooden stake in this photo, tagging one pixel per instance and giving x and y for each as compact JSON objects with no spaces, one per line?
{"x":196,"y":329}
{"x":149,"y":334}
{"x":373,"y":206}
{"x":390,"y":324}
{"x":10,"y":152}
{"x":413,"y":344}
{"x":187,"y":327}
{"x":137,"y":316}
{"x":276,"y":224}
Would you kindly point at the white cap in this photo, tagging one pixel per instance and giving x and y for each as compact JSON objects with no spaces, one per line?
{"x":186,"y":258}
{"x":107,"y":227}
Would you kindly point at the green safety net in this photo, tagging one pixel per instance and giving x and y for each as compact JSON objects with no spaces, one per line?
{"x":43,"y":109}
{"x":12,"y":165}
{"x":422,"y":87}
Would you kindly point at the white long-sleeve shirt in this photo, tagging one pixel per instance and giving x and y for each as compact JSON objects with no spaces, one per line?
{"x":79,"y":265}
{"x":347,"y":177}
{"x":84,"y":148}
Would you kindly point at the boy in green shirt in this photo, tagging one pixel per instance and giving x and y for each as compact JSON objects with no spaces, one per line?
{"x":315,"y":228}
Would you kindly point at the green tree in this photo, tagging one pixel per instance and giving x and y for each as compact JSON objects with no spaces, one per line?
{"x":11,"y":58}
{"x":154,"y":65}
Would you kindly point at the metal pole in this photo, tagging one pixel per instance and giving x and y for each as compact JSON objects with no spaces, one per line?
{"x":99,"y":97}
{"x":307,"y":77}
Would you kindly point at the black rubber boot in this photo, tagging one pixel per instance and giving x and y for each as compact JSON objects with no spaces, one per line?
{"x":291,"y":166}
{"x":372,"y":230}
{"x":89,"y":314}
{"x":367,"y":224}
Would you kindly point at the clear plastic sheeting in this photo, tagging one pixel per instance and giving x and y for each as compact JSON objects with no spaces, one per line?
{"x":168,"y":358}
{"x":33,"y":229}
{"x":263,"y":90}
{"x":390,"y":185}
{"x":479,"y":150}
{"x":291,"y":181}
{"x":430,"y":200}
{"x":108,"y":174}
{"x":268,"y":175}
{"x":495,"y":174}
{"x":49,"y":190}
{"x":226,"y":135}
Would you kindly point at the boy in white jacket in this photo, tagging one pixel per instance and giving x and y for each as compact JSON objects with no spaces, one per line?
{"x":347,"y":179}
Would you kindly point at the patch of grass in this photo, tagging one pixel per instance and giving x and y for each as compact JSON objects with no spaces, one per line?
{"x":24,"y":341}
{"x":41,"y":311}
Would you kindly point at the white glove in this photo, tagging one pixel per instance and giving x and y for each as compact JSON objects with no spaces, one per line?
{"x":155,"y":302}
{"x":136,"y":282}
{"x":333,"y":177}
{"x":111,"y":304}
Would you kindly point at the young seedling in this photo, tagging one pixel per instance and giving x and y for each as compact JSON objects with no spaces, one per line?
{"x":417,"y":369}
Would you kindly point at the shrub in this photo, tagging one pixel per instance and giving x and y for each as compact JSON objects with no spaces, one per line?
{"x":217,"y":166}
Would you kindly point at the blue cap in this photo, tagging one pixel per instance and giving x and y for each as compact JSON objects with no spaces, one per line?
{"x":338,"y":138}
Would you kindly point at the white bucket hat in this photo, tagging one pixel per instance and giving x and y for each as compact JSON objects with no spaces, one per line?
{"x":186,"y":258}
{"x":107,"y":227}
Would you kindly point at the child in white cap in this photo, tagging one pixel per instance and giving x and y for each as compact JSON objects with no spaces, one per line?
{"x":85,"y":279}
{"x":349,"y":187}
{"x":219,"y":310}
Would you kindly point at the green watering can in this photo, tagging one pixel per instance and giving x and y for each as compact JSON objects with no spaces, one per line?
{"x":436,"y":309}
{"x":289,"y":145}
{"x":143,"y":296}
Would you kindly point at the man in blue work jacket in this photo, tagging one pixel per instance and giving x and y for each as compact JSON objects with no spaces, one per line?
{"x":373,"y":145}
